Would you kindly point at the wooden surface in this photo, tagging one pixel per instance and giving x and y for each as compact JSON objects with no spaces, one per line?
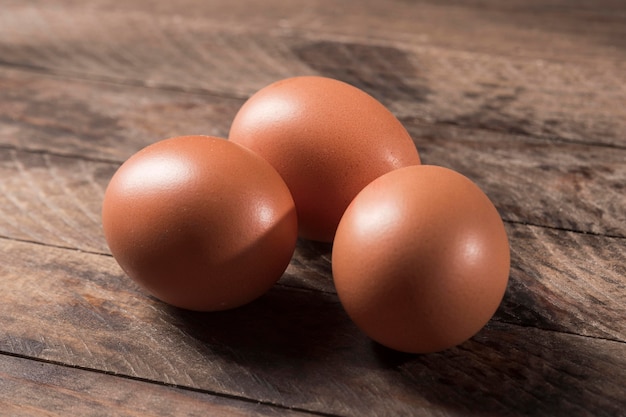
{"x":527,"y":98}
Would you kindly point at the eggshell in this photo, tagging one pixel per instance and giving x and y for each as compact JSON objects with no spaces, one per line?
{"x":327,"y":139}
{"x":200,"y":222}
{"x":421,"y":259}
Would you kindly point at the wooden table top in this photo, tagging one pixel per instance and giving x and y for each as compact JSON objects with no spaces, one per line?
{"x":527,"y":98}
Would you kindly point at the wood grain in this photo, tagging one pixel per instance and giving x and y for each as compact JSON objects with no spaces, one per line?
{"x":556,"y":29}
{"x":561,"y":281}
{"x":575,"y":100}
{"x":53,"y":200}
{"x":531,"y":180}
{"x":56,"y":200}
{"x":80,"y":310}
{"x":34,"y":388}
{"x":568,"y":186}
{"x":524,"y":97}
{"x":100,"y":121}
{"x":569,"y":282}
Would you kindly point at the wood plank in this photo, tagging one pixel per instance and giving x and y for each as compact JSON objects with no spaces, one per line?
{"x":584,"y":192}
{"x":100,"y":120}
{"x":569,"y":282}
{"x":52,"y":200}
{"x":562,"y":281}
{"x":577,"y":100}
{"x":56,"y":200}
{"x":524,"y":97}
{"x":544,"y":99}
{"x":557,"y":29}
{"x":34,"y":388}
{"x":569,"y":186}
{"x":292,"y":347}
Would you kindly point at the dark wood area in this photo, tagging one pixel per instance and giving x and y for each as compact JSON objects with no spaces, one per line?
{"x":527,"y":98}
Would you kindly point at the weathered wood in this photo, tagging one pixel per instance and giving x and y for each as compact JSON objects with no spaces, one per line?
{"x":100,"y":120}
{"x":578,"y":100}
{"x":292,"y":347}
{"x":524,"y":97}
{"x":564,"y":185}
{"x":33,"y":388}
{"x":563,"y":281}
{"x":52,"y":200}
{"x":556,"y":29}
{"x":569,"y":282}
{"x":56,"y":201}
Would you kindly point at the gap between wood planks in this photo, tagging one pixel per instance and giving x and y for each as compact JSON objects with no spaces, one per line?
{"x":564,"y":229}
{"x":168,"y":385}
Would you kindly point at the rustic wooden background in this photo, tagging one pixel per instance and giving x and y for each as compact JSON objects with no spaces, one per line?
{"x":527,"y":98}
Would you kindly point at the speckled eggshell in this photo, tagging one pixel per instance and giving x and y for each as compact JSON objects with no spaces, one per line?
{"x":327,"y":139}
{"x":200,"y":222}
{"x":421,"y":259}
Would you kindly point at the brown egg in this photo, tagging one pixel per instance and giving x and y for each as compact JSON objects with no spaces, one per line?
{"x":200,"y":222}
{"x":421,"y":259}
{"x":327,"y":139}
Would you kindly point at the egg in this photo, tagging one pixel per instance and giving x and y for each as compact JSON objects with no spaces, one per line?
{"x":327,"y":139}
{"x":421,"y":259}
{"x":200,"y":222}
